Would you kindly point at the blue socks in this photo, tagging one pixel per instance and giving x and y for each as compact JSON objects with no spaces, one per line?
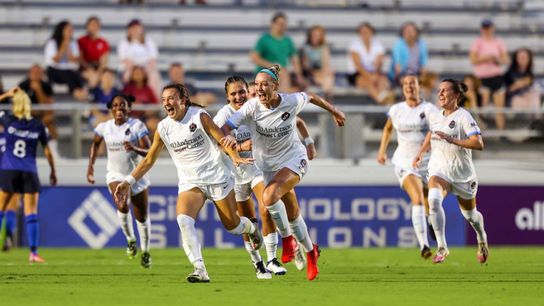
{"x":32,"y":231}
{"x":11,"y":221}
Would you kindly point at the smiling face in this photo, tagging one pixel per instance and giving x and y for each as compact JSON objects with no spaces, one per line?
{"x":410,"y":87}
{"x":447,"y":97}
{"x":266,"y":87}
{"x":172,"y":103}
{"x":237,"y":94}
{"x":120,"y":109}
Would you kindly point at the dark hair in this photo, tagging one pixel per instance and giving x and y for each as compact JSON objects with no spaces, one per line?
{"x":183,"y":93}
{"x":366,"y":25}
{"x":175,"y":64}
{"x":132,"y":74}
{"x":132,"y":23}
{"x":407,"y":24}
{"x":91,"y":19}
{"x":251,"y":83}
{"x":277,"y":16}
{"x":235,"y":79}
{"x":309,"y":35}
{"x":402,"y":77}
{"x":130,"y":99}
{"x":459,"y":88}
{"x":58,"y":32}
{"x":514,"y":63}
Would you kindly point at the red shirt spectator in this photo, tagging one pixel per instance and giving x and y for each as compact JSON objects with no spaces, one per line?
{"x":138,"y":88}
{"x":93,"y":49}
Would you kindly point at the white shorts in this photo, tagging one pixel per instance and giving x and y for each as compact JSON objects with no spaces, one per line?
{"x":298,"y":165}
{"x":402,"y":173}
{"x":140,"y":185}
{"x":243,"y":191}
{"x":464,"y":190}
{"x":214,"y":192}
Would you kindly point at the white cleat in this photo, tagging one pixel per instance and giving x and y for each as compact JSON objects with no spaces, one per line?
{"x":261,"y":271}
{"x":441,"y":255}
{"x":199,"y":275}
{"x":275,"y":267}
{"x":300,"y":258}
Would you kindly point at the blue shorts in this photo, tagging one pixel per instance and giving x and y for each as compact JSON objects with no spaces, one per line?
{"x":15,"y":181}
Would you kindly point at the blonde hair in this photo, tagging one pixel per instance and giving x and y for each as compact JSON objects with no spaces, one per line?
{"x":21,"y":105}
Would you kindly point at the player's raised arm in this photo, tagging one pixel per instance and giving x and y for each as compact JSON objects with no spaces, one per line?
{"x":337,"y":114}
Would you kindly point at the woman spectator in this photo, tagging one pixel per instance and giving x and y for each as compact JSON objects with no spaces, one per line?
{"x":94,"y":50}
{"x":519,"y":81}
{"x":409,"y":54}
{"x":139,"y":88}
{"x":316,"y":60}
{"x":102,"y":94}
{"x":365,"y":61}
{"x":62,"y":59}
{"x":476,"y":97}
{"x":139,"y":50}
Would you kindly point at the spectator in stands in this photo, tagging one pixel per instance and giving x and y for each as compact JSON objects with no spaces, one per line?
{"x":62,"y":60}
{"x":137,"y":49}
{"x":176,"y":75}
{"x":409,"y":54}
{"x":138,"y":88}
{"x":316,"y":60}
{"x":487,"y":54}
{"x":475,"y":97}
{"x":94,"y":50}
{"x":365,"y":60}
{"x":429,"y":85}
{"x":519,"y":80}
{"x":102,"y":94}
{"x":276,"y":47}
{"x":40,"y":91}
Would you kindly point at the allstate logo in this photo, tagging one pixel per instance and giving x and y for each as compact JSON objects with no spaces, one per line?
{"x":97,"y":209}
{"x":531,"y":220}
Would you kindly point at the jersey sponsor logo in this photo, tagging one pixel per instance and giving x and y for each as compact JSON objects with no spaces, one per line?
{"x":452,"y":124}
{"x":285,"y":116}
{"x":277,"y":132}
{"x":528,"y":219}
{"x":180,"y":146}
{"x":422,"y":115}
{"x":23,"y":133}
{"x":192,"y":127}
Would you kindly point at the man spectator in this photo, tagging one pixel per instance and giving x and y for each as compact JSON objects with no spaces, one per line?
{"x":276,"y":47}
{"x":176,"y":75}
{"x":94,"y":51}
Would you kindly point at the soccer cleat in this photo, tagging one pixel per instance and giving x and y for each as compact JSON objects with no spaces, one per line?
{"x":145,"y":260}
{"x":261,"y":271}
{"x":131,"y":249}
{"x":256,"y":238}
{"x":441,"y":255}
{"x":34,"y":257}
{"x":483,"y":252}
{"x":275,"y":267}
{"x":199,"y":275}
{"x":300,"y":259}
{"x":7,"y":244}
{"x":431,"y":232}
{"x":312,"y":256}
{"x":288,"y":251}
{"x":426,"y":252}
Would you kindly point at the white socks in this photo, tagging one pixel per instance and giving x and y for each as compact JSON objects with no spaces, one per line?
{"x":300,"y":231}
{"x":419,"y":223}
{"x":244,"y":227}
{"x":437,"y":216}
{"x":126,"y":225}
{"x":476,"y":220}
{"x":191,"y":246}
{"x":271,"y":245}
{"x":255,"y":256}
{"x":279,"y":215}
{"x":144,"y":230}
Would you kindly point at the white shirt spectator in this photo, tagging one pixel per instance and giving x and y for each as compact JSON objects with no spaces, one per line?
{"x":64,"y":64}
{"x":368,"y":57}
{"x":137,"y":52}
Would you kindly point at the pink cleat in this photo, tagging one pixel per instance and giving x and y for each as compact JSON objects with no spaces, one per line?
{"x":312,"y":257}
{"x":483,"y":252}
{"x":289,"y":247}
{"x":441,"y":255}
{"x":34,"y":257}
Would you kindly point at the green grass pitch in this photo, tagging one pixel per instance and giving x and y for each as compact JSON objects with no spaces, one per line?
{"x":513,"y":276}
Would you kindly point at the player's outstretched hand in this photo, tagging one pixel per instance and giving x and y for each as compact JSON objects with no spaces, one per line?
{"x":311,"y":151}
{"x":90,"y":175}
{"x":240,"y":160}
{"x":121,"y":192}
{"x":228,"y":142}
{"x":444,"y":136}
{"x":53,"y":179}
{"x":417,"y":161}
{"x":339,"y":117}
{"x":382,"y":158}
{"x":128,"y":146}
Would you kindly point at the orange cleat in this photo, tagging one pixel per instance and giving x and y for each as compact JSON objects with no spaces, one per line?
{"x":289,"y":245}
{"x":312,"y":257}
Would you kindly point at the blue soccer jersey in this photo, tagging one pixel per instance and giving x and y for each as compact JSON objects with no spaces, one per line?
{"x":21,"y":142}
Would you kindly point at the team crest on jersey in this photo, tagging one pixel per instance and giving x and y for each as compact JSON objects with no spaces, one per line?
{"x":452,"y":124}
{"x":473,"y":185}
{"x":422,"y":115}
{"x":127,"y":132}
{"x":473,"y":124}
{"x":192,"y":127}
{"x":302,"y":166}
{"x":285,"y":116}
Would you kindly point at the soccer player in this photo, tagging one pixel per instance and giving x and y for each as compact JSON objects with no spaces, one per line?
{"x":126,"y":141}
{"x":191,"y":137}
{"x":410,"y":120}
{"x":452,"y":137}
{"x":281,"y":156}
{"x":19,"y":174}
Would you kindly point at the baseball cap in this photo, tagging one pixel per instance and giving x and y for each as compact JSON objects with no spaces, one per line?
{"x":486,"y":23}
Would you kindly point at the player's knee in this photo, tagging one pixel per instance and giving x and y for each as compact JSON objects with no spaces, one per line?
{"x":270,"y":195}
{"x":435,"y":199}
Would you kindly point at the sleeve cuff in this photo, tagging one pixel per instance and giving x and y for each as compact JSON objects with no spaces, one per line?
{"x":232,"y":126}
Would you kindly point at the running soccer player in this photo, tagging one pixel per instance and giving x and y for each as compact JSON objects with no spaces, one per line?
{"x":410,"y":120}
{"x":281,"y":156}
{"x":191,"y":137}
{"x":452,"y":137}
{"x":19,"y":174}
{"x":126,"y":141}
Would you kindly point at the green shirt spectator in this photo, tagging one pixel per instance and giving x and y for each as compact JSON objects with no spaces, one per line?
{"x":275,"y":50}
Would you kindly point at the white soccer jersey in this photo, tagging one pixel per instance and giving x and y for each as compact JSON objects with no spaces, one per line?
{"x":273,"y":131}
{"x":448,"y":160}
{"x":120,"y":162}
{"x":196,"y":155}
{"x":411,"y":125}
{"x":245,"y":173}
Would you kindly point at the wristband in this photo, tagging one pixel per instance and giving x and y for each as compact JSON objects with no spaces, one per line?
{"x":308,"y":141}
{"x":130,"y":180}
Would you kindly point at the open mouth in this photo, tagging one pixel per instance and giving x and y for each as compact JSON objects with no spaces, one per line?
{"x":170,"y":110}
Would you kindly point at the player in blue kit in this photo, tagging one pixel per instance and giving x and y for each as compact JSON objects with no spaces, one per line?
{"x":20,"y":174}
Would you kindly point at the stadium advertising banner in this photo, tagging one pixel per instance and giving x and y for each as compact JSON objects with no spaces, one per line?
{"x":336,"y":217}
{"x":513,"y":215}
